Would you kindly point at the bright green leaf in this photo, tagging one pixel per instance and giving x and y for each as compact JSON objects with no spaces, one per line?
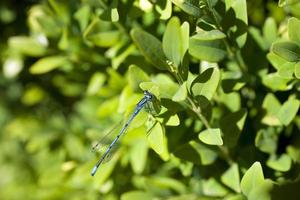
{"x":270,"y":30}
{"x":82,"y":15}
{"x":166,"y":12}
{"x":252,"y":179}
{"x":173,"y":121}
{"x":212,"y":187}
{"x":297,"y":70}
{"x":138,"y":155}
{"x":287,"y":70}
{"x":100,"y":34}
{"x":95,"y":83}
{"x":275,"y":82}
{"x":271,"y":106}
{"x":209,"y":35}
{"x":47,"y":64}
{"x":282,"y":163}
{"x":181,"y":93}
{"x":136,"y":76}
{"x":136,"y":195}
{"x":156,"y":138}
{"x":172,"y":41}
{"x":293,"y":29}
{"x":211,"y":136}
{"x":276,"y":60}
{"x":231,"y":178}
{"x":32,"y":95}
{"x":288,"y":111}
{"x":27,"y":45}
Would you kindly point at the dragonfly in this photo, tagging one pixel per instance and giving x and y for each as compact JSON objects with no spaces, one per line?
{"x":140,"y":105}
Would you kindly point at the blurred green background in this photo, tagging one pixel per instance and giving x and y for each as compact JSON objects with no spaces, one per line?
{"x":70,"y":70}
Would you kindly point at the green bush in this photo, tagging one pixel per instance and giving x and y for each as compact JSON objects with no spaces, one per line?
{"x":225,"y":75}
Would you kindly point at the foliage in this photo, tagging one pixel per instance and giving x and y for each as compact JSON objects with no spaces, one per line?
{"x":225,"y":75}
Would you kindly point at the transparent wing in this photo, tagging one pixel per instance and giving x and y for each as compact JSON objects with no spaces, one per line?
{"x":107,"y":138}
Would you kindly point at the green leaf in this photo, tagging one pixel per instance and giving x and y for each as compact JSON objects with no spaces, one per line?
{"x":206,"y":83}
{"x":156,"y":138}
{"x":95,"y":83}
{"x":165,"y":12}
{"x":181,"y":93}
{"x":282,"y":163}
{"x":150,"y":47}
{"x":27,"y":45}
{"x":103,"y":39}
{"x":287,"y":70}
{"x":231,"y":100}
{"x":232,"y":125}
{"x":275,"y":82}
{"x":196,"y":153}
{"x":209,"y":50}
{"x":209,"y":35}
{"x":173,"y":121}
{"x":297,"y":70}
{"x":47,"y":64}
{"x":136,"y":76}
{"x":111,"y":13}
{"x":270,"y":30}
{"x":100,"y":34}
{"x":252,"y":179}
{"x":136,"y":195}
{"x":231,"y":178}
{"x":185,"y":34}
{"x":172,"y":42}
{"x":33,"y":95}
{"x":82,"y":15}
{"x":290,"y":51}
{"x":266,"y":140}
{"x":189,"y":6}
{"x":288,"y":111}
{"x":240,"y":10}
{"x":138,"y":155}
{"x":293,"y":29}
{"x":212,"y":187}
{"x":276,"y":60}
{"x":211,"y":136}
{"x":271,"y":106}
{"x":163,"y":183}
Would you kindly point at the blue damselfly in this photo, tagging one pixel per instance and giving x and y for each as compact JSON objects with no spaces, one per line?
{"x":141,"y":104}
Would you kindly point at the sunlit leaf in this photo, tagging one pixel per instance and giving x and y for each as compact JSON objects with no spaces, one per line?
{"x":27,"y":45}
{"x":136,"y":195}
{"x":231,"y":178}
{"x":288,"y":111}
{"x":47,"y":64}
{"x":181,"y":94}
{"x":211,"y":136}
{"x":282,"y":163}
